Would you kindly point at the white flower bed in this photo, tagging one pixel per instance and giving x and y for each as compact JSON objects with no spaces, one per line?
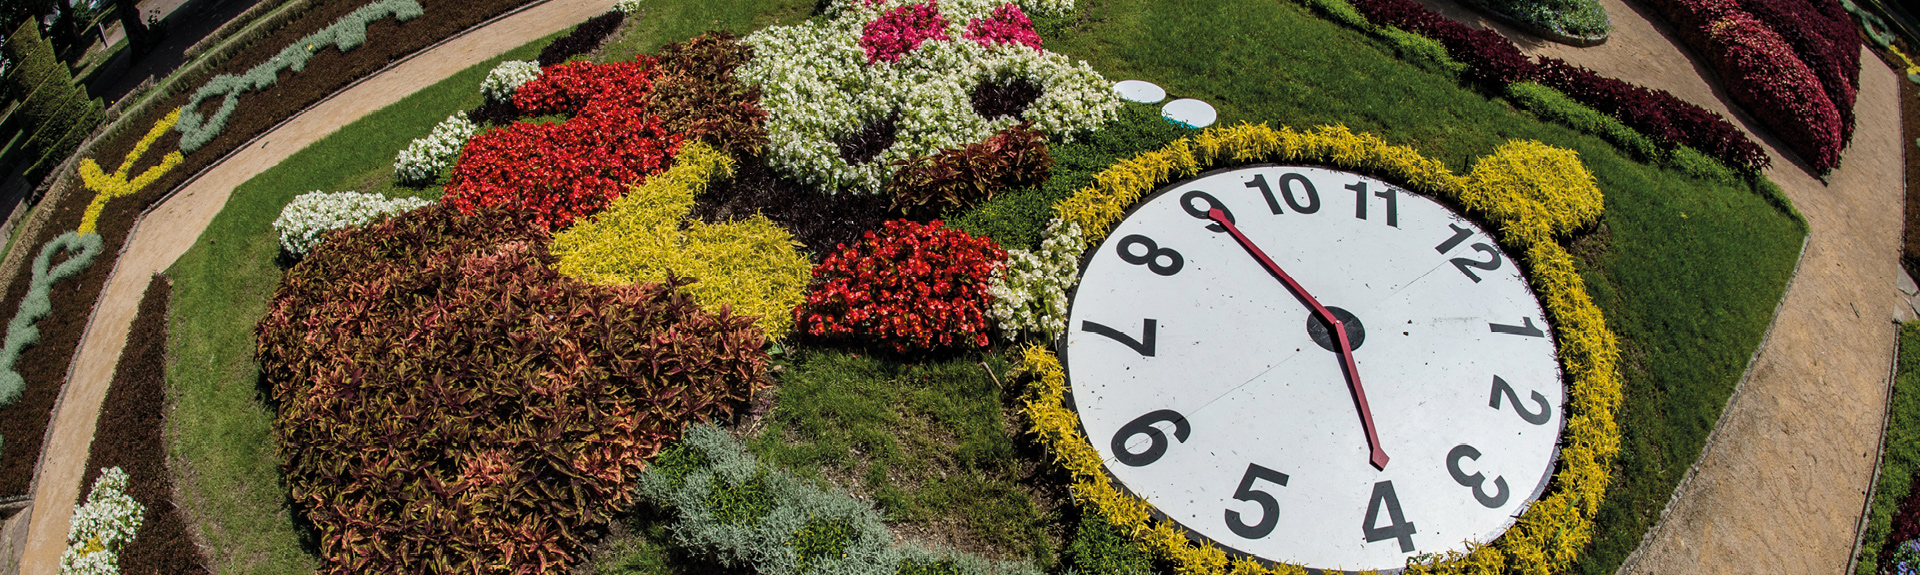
{"x":1030,"y":292}
{"x":817,"y":86}
{"x":101,"y":527}
{"x":311,"y":215}
{"x":627,"y":6}
{"x":509,"y":76}
{"x":426,"y":157}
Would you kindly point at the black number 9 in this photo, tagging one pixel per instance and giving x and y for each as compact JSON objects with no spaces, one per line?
{"x":1151,"y":259}
{"x":1186,"y":201}
{"x":1144,"y":426}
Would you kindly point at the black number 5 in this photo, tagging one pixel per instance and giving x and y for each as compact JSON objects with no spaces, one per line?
{"x":1143,"y":425}
{"x":1269,"y":508}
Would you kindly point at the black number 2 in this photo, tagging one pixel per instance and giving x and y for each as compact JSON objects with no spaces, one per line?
{"x":1492,"y":263}
{"x":1269,"y":508}
{"x":1501,"y":387}
{"x":1397,"y":526}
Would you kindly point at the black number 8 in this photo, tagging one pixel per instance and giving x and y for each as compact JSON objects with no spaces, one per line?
{"x":1151,"y":259}
{"x":1144,"y":426}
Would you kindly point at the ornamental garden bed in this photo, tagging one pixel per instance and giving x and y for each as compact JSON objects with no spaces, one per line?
{"x":937,"y":441}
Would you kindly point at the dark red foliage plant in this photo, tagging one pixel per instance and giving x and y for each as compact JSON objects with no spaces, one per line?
{"x":908,"y":287}
{"x":959,"y":178}
{"x":1825,"y":38}
{"x":448,"y":403}
{"x":584,"y":38}
{"x":1488,"y":55}
{"x":1656,"y":113}
{"x":696,"y":94}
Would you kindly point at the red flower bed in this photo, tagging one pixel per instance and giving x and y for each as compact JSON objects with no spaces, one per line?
{"x":910,"y":287}
{"x":563,"y":171}
{"x":1491,"y":58}
{"x":448,"y":403}
{"x":900,"y":30}
{"x":1657,"y":113}
{"x":584,"y":87}
{"x":1764,"y":74}
{"x":1008,"y":25}
{"x":1826,"y":40}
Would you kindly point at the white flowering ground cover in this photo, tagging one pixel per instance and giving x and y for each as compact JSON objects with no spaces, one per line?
{"x":818,"y":85}
{"x":1030,"y":292}
{"x":101,"y":527}
{"x":307,"y":219}
{"x":507,"y":77}
{"x":426,"y":157}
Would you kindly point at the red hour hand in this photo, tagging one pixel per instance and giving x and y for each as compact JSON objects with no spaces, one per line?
{"x":1378,"y":456}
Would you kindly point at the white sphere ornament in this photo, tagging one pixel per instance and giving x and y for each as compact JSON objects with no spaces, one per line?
{"x":1189,"y":112}
{"x":1140,"y":91}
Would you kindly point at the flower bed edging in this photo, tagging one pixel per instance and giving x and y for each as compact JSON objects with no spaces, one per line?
{"x":1529,"y":208}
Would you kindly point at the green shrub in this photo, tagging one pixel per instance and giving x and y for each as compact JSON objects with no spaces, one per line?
{"x":447,"y":402}
{"x":737,"y":503}
{"x":1099,"y":548}
{"x":1571,"y":17}
{"x":809,"y":529}
{"x":1552,"y":105}
{"x":1421,"y":50}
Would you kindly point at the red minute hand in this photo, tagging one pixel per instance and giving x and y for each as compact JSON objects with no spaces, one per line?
{"x":1379,"y":456}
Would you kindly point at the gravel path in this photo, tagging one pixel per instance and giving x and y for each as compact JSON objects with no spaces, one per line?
{"x":173,"y":226}
{"x":1783,"y":480}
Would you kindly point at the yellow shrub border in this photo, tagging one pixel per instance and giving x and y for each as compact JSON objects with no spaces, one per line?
{"x":107,"y":187}
{"x":1531,"y":192}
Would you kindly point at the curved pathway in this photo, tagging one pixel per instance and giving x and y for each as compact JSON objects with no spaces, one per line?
{"x":1783,"y":480}
{"x":173,"y":226}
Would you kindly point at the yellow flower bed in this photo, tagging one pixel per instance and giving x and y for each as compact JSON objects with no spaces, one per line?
{"x":751,"y":265}
{"x":1529,"y":191}
{"x":107,"y":187}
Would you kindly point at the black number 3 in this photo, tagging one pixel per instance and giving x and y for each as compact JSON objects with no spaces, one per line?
{"x":1269,"y":508}
{"x":1476,"y":481}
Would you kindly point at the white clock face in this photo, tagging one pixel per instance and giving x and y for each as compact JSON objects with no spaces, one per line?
{"x":1202,"y":382}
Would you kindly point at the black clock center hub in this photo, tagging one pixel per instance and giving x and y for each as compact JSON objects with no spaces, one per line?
{"x":1323,"y":334}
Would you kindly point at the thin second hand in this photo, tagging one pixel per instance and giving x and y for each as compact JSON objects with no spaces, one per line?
{"x":1378,"y":456}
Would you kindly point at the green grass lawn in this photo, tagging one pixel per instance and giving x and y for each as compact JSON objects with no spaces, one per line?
{"x":1688,"y":271}
{"x":1900,"y":457}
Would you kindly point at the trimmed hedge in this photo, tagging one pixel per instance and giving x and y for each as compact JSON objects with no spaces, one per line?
{"x":448,"y":403}
{"x":1826,"y":41}
{"x":1765,"y":75}
{"x":54,"y":112}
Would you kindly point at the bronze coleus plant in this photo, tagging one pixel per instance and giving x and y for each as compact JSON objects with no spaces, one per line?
{"x":957,"y":178}
{"x":447,"y":402}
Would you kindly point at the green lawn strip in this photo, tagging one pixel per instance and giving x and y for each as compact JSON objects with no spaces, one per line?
{"x":1687,"y":270}
{"x":661,"y":22}
{"x":221,"y":431}
{"x":1901,"y":456}
{"x":932,"y":443}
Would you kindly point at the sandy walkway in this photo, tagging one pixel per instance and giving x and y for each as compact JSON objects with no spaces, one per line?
{"x":170,"y":228}
{"x":1783,"y":480}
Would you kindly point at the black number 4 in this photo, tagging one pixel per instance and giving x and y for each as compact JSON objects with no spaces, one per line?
{"x":1269,"y":508}
{"x":1397,"y":528}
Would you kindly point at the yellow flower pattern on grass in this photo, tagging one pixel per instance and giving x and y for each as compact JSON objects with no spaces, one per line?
{"x":750,"y":266}
{"x":1529,"y":191}
{"x":107,"y":187}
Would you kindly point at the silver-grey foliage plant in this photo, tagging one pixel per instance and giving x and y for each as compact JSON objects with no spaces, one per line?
{"x":347,"y":33}
{"x":21,"y":332}
{"x":768,"y":544}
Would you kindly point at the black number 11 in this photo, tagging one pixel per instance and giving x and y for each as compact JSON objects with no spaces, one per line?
{"x":1360,"y":202}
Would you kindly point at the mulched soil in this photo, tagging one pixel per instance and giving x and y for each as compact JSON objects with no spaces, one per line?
{"x":134,"y":412}
{"x":818,"y":221}
{"x":44,"y":366}
{"x":1910,"y":130}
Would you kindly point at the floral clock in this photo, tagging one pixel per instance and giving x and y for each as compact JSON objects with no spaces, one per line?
{"x":1227,"y":428}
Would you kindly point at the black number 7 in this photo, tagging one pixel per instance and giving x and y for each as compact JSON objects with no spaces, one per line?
{"x":1144,"y":345}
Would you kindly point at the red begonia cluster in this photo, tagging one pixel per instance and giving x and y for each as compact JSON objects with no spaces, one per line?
{"x":909,"y":287}
{"x":901,"y":29}
{"x":561,"y":171}
{"x":1009,"y":25}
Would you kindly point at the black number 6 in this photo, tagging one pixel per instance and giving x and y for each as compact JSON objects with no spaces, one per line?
{"x":1269,"y":508}
{"x":1143,"y":425}
{"x":1477,"y":481}
{"x":1151,"y":259}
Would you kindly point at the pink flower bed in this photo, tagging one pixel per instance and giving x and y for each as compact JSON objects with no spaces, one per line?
{"x":902,"y":29}
{"x":1008,"y":25}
